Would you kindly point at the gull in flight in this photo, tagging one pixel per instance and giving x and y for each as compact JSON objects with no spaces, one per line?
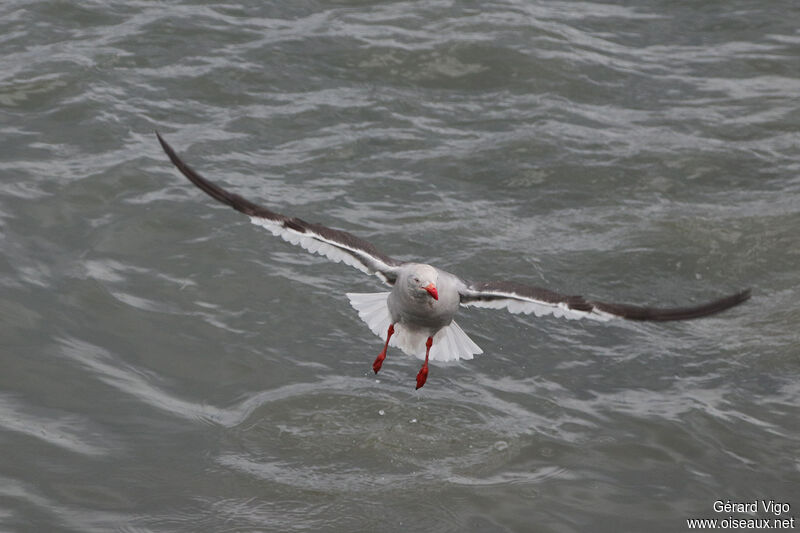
{"x":416,"y":315}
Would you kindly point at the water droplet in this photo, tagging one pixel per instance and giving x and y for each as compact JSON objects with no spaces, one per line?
{"x":381,"y":412}
{"x":500,"y":445}
{"x":413,"y":420}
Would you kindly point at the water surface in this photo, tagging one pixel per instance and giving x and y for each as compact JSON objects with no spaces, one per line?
{"x":167,"y":366}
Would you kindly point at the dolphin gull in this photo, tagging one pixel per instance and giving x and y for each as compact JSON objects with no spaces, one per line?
{"x":416,"y":315}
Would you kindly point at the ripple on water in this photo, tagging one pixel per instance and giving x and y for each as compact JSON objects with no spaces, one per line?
{"x":70,"y":432}
{"x":643,"y":151}
{"x":306,"y":438}
{"x":53,"y":513}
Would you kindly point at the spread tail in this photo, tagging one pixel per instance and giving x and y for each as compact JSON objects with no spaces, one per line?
{"x":449,"y":344}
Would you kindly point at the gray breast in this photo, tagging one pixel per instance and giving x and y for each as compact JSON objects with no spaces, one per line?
{"x":423,"y":312}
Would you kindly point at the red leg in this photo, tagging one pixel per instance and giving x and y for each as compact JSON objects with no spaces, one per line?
{"x":423,"y":372}
{"x":381,"y":356}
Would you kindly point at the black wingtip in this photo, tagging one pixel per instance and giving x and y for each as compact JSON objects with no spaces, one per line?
{"x":215,"y":191}
{"x":743,"y":296}
{"x":167,"y":148}
{"x":633,"y":312}
{"x":183,"y":167}
{"x":161,"y":140}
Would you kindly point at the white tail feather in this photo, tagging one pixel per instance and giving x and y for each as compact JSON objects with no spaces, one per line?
{"x":372,"y":309}
{"x":449,"y":344}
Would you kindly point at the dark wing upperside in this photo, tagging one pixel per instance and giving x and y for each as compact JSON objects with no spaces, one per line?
{"x":334,"y":244}
{"x":519,"y":298}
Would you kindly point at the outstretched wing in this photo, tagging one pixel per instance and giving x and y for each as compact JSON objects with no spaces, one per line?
{"x":334,"y":244}
{"x":519,"y":298}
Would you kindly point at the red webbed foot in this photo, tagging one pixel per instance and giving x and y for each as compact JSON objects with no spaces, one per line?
{"x":422,"y":376}
{"x":381,"y":356}
{"x":376,"y":366}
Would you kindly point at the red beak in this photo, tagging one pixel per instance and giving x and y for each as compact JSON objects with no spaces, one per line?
{"x":431,"y":288}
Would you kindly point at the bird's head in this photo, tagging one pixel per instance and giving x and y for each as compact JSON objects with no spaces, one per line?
{"x":422,"y":281}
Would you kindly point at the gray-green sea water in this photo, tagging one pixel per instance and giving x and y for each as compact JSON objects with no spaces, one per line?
{"x":166,"y":366}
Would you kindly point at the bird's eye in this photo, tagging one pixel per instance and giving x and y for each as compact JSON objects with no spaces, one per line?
{"x":416,"y":279}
